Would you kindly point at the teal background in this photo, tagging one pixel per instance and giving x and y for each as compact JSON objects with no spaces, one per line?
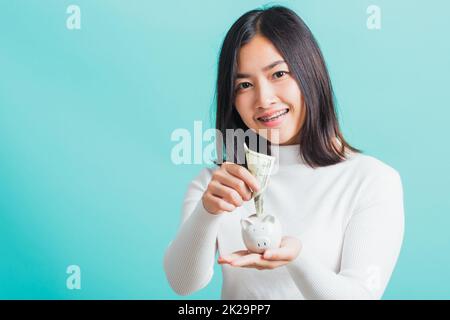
{"x":86,"y":117}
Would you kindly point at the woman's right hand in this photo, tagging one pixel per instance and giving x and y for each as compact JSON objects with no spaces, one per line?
{"x":229,"y":187}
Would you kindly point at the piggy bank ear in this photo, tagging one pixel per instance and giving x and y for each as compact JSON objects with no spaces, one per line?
{"x":245,"y":223}
{"x":269,"y":219}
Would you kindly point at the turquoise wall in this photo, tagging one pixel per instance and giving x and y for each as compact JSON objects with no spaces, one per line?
{"x":86,"y":117}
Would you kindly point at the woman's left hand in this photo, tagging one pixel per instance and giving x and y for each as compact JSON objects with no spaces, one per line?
{"x":289,"y":249}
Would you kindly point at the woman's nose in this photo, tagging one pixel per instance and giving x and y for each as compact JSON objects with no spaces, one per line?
{"x":265,"y":95}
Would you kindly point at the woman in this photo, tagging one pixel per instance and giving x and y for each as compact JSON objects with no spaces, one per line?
{"x":341,"y":211}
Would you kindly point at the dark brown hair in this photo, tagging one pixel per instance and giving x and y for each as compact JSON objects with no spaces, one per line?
{"x":295,"y":42}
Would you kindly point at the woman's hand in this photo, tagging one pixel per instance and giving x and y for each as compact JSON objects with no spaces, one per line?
{"x":229,"y":187}
{"x":272,"y":258}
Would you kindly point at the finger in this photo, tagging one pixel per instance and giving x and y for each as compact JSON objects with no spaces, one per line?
{"x":231,"y":257}
{"x":221,"y":260}
{"x":247,"y":260}
{"x":270,"y":265}
{"x":219,"y":203}
{"x":242,"y":173}
{"x":288,"y":250}
{"x":226,"y":193}
{"x":278,"y":254}
{"x":262,"y":264}
{"x":237,"y":184}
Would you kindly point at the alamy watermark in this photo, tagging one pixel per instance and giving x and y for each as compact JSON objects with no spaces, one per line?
{"x":210,"y":146}
{"x":73,"y":21}
{"x":374,"y":18}
{"x":73,"y":281}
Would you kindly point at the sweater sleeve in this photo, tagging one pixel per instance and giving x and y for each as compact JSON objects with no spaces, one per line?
{"x":189,"y":259}
{"x":372,"y":242}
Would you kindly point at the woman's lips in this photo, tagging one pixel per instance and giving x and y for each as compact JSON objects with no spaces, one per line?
{"x":275,"y":119}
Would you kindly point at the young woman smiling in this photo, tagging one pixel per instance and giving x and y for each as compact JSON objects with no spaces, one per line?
{"x":341,"y":211}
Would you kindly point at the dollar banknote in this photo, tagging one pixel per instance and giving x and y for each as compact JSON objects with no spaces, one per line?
{"x":260,"y":166}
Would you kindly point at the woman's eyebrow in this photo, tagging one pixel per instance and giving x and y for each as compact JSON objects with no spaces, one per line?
{"x":270,"y":66}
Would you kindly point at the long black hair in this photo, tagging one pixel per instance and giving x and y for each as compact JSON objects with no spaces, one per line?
{"x":295,"y":42}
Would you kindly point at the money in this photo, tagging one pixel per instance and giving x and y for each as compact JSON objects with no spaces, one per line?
{"x":260,"y":166}
{"x":259,"y":204}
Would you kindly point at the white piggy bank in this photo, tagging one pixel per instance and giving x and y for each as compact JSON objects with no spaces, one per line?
{"x":261,"y":232}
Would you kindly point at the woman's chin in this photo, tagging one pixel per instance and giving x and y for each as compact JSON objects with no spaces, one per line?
{"x":277,"y":137}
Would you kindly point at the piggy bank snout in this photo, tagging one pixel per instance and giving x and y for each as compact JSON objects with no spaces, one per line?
{"x":263,"y":242}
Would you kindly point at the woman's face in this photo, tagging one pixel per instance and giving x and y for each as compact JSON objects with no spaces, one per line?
{"x":267,"y":96}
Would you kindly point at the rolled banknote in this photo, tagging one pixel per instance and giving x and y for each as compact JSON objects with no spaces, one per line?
{"x":260,"y":165}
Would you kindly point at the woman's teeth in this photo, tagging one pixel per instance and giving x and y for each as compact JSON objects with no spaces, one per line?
{"x":274,"y":116}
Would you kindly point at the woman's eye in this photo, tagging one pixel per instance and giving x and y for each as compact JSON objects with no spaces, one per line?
{"x":279,"y":74}
{"x":243,"y":85}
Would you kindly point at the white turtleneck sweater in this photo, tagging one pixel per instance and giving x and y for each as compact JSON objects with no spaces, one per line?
{"x":348,"y":216}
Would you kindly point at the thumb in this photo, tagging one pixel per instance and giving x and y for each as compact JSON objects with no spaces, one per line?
{"x":278,"y":254}
{"x":289,"y":249}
